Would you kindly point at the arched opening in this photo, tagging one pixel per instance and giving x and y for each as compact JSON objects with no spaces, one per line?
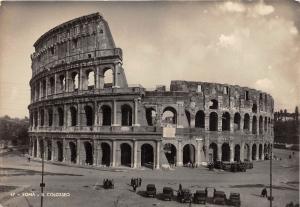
{"x":50,"y":117}
{"x":90,"y":79}
{"x":125,"y":154}
{"x":62,"y":83}
{"x":150,"y":116}
{"x":265,"y":151}
{"x":88,"y":153}
{"x":188,"y":117}
{"x":213,"y":121}
{"x":254,"y":108}
{"x":59,"y":151}
{"x":225,"y":152}
{"x":44,"y":88}
{"x":200,"y":119}
{"x":254,"y":125}
{"x":41,"y":143}
{"x":169,"y":115}
{"x":52,"y":85}
{"x":49,"y":150}
{"x":254,"y":152}
{"x":73,"y":151}
{"x":73,"y":113}
{"x":89,"y":115}
{"x":237,"y":151}
{"x":108,"y":78}
{"x":60,"y":112}
{"x":34,"y":148}
{"x":226,"y":121}
{"x":246,"y":152}
{"x":147,"y":157}
{"x":260,"y":125}
{"x":42,"y":115}
{"x":106,"y":115}
{"x":260,"y":152}
{"x":213,"y":104}
{"x":213,"y":147}
{"x":246,"y":122}
{"x":237,"y":122}
{"x":170,"y":152}
{"x":35,"y":118}
{"x":126,"y":115}
{"x":75,"y":81}
{"x":188,"y":154}
{"x":105,"y":154}
{"x":266,"y":124}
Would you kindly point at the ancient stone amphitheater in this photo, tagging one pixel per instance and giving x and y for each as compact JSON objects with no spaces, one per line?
{"x":83,"y":112}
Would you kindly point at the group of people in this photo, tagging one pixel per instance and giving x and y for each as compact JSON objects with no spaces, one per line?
{"x":108,"y":183}
{"x":135,"y":182}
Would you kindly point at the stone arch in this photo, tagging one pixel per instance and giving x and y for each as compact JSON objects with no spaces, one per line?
{"x":213,"y":121}
{"x":60,"y":112}
{"x":106,"y":115}
{"x":73,"y":116}
{"x":108,"y":78}
{"x":214,"y":104}
{"x":126,"y":153}
{"x":89,"y":115}
{"x":44,"y":88}
{"x":60,"y":152}
{"x":106,"y":153}
{"x":226,"y":121}
{"x":126,"y":112}
{"x":73,"y":152}
{"x":75,"y":81}
{"x":254,"y":152}
{"x":62,"y":83}
{"x":35,"y":148}
{"x":35,"y":118}
{"x":266,"y":124}
{"x":246,"y":122}
{"x":237,"y":153}
{"x":214,"y":148}
{"x":200,"y":119}
{"x":225,"y":152}
{"x":237,"y":121}
{"x":52,"y":85}
{"x":260,"y":124}
{"x":50,"y":117}
{"x":254,"y":108}
{"x":247,"y":155}
{"x":169,"y":115}
{"x":147,"y":155}
{"x":42,"y":116}
{"x":188,"y":154}
{"x":90,"y":79}
{"x":260,"y":151}
{"x":254,"y":125}
{"x":150,"y":116}
{"x":88,"y":147}
{"x":170,"y":153}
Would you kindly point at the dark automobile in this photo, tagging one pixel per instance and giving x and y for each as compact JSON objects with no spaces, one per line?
{"x":108,"y":184}
{"x":167,"y":193}
{"x":151,"y":190}
{"x":234,"y":199}
{"x":184,"y":196}
{"x":219,"y":198}
{"x":200,"y":197}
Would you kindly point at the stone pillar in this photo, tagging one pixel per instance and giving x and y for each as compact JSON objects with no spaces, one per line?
{"x":99,"y":153}
{"x":52,"y":150}
{"x":250,"y":152}
{"x":231,"y":152}
{"x":80,"y":79}
{"x":66,"y":153}
{"x":78,"y":115}
{"x":41,"y":90}
{"x":206,"y":151}
{"x":116,"y":71}
{"x":97,"y":85}
{"x":67,"y":82}
{"x":231,"y":122}
{"x":46,"y":90}
{"x":193,"y":121}
{"x":94,"y":151}
{"x":179,"y":114}
{"x":135,"y":157}
{"x":220,"y":121}
{"x":114,"y":152}
{"x":242,"y":123}
{"x":38,"y":154}
{"x":115,"y":123}
{"x":206,"y":124}
{"x":257,"y":152}
{"x":198,"y":152}
{"x":78,"y":146}
{"x":219,"y":152}
{"x":179,"y":154}
{"x":242,"y":152}
{"x":95,"y":114}
{"x":262,"y":152}
{"x":157,"y":164}
{"x":136,"y":105}
{"x":55,"y":83}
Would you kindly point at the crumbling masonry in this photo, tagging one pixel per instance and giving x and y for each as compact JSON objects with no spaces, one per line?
{"x":79,"y":116}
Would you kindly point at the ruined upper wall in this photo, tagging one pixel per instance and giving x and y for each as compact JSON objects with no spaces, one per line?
{"x":85,"y":37}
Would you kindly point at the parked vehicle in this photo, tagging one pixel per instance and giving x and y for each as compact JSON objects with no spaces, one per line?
{"x":167,"y":193}
{"x":108,"y":184}
{"x":234,"y":199}
{"x":151,"y":190}
{"x":219,"y":198}
{"x":200,"y":197}
{"x":184,"y":196}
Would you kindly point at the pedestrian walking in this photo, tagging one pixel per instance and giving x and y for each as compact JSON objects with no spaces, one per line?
{"x":140,"y":182}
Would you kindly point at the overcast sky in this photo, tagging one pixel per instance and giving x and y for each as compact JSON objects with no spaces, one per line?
{"x":236,"y":42}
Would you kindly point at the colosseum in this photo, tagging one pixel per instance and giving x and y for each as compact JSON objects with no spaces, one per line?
{"x":83,"y":111}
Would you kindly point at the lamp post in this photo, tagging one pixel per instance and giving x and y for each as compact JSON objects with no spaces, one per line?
{"x":271,"y":157}
{"x":42,"y":184}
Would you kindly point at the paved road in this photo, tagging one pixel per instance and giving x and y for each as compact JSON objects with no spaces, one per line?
{"x":79,"y":183}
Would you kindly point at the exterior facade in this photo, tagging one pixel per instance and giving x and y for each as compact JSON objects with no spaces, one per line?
{"x":81,"y":116}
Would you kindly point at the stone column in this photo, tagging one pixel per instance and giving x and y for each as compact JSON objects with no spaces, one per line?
{"x":179,"y":114}
{"x":97,"y":85}
{"x":95,"y":151}
{"x":206,"y":151}
{"x":257,"y":152}
{"x":95,"y":114}
{"x":231,"y":152}
{"x":80,"y":79}
{"x":220,"y":121}
{"x":55,"y":83}
{"x":206,"y":124}
{"x":114,"y":152}
{"x":38,"y":154}
{"x":242,"y":123}
{"x":250,"y":152}
{"x":219,"y":152}
{"x":115,"y":123}
{"x":136,"y":105}
{"x":67,"y":82}
{"x":242,"y":152}
{"x":262,"y":152}
{"x":198,"y":152}
{"x":41,"y":90}
{"x":157,"y":164}
{"x":179,"y":154}
{"x":46,"y":90}
{"x":116,"y":71}
{"x":78,"y":146}
{"x":135,"y":157}
{"x":66,"y":153}
{"x":99,"y":153}
{"x":78,"y":115}
{"x":231,"y":127}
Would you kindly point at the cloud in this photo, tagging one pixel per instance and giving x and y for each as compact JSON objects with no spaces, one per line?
{"x":233,"y":7}
{"x":227,"y":40}
{"x":263,"y":9}
{"x":264,"y":84}
{"x":259,"y":9}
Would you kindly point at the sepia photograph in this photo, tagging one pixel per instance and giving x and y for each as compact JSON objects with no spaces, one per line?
{"x":149,"y":103}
